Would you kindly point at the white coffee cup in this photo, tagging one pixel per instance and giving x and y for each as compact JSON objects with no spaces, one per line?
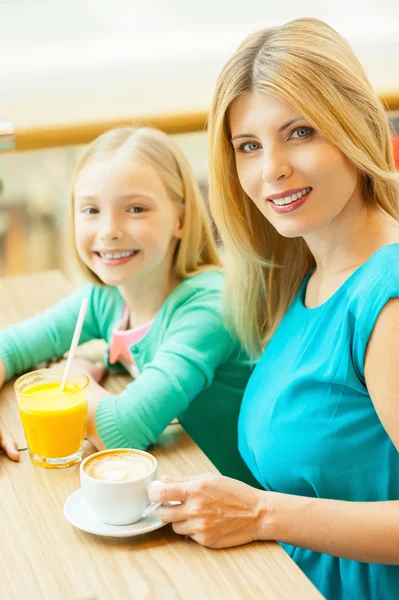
{"x":114,"y":483}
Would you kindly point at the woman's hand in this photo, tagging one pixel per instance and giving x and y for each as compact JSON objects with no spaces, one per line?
{"x":215,"y":511}
{"x":8,"y":444}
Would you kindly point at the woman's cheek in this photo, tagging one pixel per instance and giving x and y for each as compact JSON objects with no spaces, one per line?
{"x":250,"y":178}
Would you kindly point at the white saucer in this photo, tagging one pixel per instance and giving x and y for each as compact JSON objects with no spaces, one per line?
{"x":80,"y":515}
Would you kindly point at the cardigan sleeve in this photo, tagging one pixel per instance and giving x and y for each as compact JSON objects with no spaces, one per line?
{"x":48,"y":334}
{"x":195,"y":344}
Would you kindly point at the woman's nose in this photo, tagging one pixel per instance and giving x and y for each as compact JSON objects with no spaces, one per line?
{"x":275,"y":166}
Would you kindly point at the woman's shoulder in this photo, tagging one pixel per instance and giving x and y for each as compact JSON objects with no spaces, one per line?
{"x":373,"y":285}
{"x":380,"y":273}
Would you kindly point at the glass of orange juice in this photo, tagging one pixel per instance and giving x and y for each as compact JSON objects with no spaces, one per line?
{"x":53,"y":421}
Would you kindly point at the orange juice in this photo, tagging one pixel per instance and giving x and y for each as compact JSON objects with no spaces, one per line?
{"x":53,"y":421}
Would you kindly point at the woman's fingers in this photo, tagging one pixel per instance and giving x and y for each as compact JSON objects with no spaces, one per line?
{"x":8,"y":444}
{"x":167,"y":492}
{"x":183,"y":528}
{"x":172,"y":514}
{"x":169,"y":479}
{"x":177,"y":488}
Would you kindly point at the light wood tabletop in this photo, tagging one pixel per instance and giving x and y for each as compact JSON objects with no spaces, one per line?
{"x":44,"y":557}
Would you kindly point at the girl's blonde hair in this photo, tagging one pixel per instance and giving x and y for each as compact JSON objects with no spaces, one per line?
{"x":196,"y":251}
{"x":313,"y":69}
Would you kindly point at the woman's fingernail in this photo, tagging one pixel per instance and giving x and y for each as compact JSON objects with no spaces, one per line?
{"x":167,"y":479}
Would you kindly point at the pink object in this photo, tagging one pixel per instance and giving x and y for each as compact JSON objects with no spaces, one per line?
{"x":123,"y":339}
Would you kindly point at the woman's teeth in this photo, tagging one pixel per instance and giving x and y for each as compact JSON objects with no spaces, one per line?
{"x":116,"y":255}
{"x":292,"y":198}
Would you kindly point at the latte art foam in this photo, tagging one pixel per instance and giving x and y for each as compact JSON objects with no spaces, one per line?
{"x":119,"y":466}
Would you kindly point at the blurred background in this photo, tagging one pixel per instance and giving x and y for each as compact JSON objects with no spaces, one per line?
{"x":70,"y":69}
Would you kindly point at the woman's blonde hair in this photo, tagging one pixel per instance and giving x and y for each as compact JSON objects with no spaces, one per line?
{"x":196,"y":251}
{"x":313,"y":69}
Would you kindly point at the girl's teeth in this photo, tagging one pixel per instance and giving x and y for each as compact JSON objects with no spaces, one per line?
{"x":292,"y":198}
{"x":116,"y":255}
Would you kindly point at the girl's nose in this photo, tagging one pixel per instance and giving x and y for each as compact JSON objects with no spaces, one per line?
{"x":110,"y":229}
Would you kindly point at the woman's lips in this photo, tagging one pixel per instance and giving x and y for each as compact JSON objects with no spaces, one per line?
{"x":287,"y":208}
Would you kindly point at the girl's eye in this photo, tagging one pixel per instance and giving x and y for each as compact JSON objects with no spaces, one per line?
{"x":90,"y":210}
{"x":136,"y":209}
{"x":248,"y":147}
{"x":302,"y":132}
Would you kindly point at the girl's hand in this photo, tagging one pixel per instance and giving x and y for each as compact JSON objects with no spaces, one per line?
{"x":215,"y":511}
{"x":8,"y":445}
{"x":2,"y":373}
{"x":94,"y":371}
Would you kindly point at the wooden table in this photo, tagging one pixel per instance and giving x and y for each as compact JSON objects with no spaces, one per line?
{"x":43,"y":557}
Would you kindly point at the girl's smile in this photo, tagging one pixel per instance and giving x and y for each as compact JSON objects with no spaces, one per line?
{"x":126,"y":225}
{"x":115,"y":258}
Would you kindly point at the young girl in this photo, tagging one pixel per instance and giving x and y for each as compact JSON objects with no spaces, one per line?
{"x":305,"y":195}
{"x":143,"y":237}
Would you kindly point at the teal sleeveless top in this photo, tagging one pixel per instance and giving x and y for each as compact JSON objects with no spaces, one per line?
{"x":308,"y":425}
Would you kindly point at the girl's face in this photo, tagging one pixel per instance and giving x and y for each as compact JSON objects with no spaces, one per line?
{"x":298,"y":180}
{"x":126,"y":225}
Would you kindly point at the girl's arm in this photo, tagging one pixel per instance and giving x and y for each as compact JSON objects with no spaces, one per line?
{"x":46,"y":335}
{"x":194,"y":345}
{"x":363,"y":531}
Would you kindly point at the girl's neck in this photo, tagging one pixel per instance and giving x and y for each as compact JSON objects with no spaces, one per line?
{"x":144,"y":297}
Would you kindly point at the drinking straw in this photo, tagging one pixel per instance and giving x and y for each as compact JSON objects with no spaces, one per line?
{"x":75,"y":341}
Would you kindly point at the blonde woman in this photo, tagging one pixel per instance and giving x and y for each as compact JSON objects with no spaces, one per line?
{"x":305,"y":196}
{"x":142,"y":236}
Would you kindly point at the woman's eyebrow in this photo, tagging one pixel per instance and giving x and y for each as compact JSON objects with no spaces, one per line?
{"x":288,"y":123}
{"x":280,"y":129}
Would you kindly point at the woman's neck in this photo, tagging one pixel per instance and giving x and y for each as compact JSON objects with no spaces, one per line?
{"x":351,"y":240}
{"x":144,"y":297}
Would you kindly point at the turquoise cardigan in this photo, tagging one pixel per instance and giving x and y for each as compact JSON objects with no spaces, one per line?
{"x":191,"y":367}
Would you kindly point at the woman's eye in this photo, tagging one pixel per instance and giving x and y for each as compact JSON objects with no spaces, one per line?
{"x":302,"y":132}
{"x":248,"y":147}
{"x":136,"y":209}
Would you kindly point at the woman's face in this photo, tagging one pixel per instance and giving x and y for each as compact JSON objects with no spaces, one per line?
{"x":298,"y":180}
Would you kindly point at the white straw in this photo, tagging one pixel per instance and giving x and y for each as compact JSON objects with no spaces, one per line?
{"x":75,"y":341}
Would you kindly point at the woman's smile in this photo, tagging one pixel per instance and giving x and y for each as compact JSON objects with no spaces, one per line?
{"x":284,"y":203}
{"x":277,"y":148}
